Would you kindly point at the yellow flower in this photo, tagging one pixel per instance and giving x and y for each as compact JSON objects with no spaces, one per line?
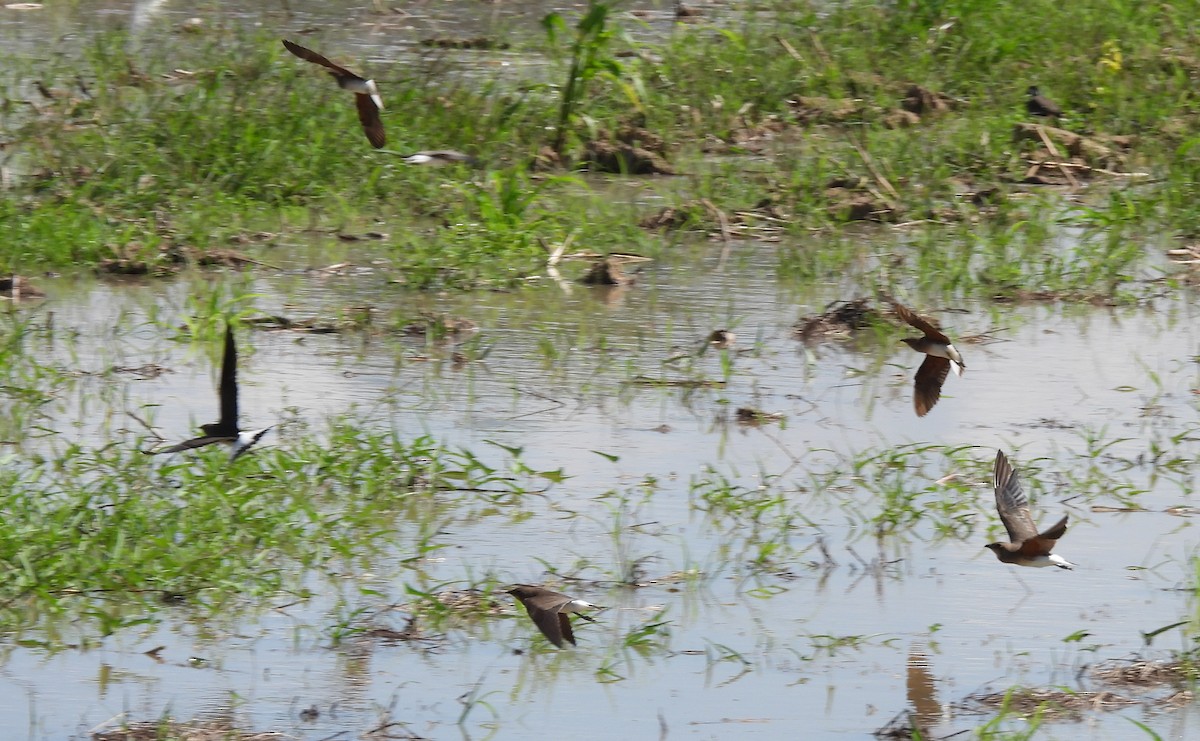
{"x":1110,"y":57}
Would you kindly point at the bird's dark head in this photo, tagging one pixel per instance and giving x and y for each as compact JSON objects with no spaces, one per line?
{"x":1033,"y":91}
{"x":913,"y":342}
{"x":520,"y":591}
{"x":1002,"y":551}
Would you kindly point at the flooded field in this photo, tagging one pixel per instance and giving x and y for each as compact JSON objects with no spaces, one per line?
{"x":778,"y":545}
{"x":748,"y":626}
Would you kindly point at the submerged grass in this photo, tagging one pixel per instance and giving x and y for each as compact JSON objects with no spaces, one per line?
{"x":93,"y":533}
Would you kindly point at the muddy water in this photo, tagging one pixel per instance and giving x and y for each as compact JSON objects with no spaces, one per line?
{"x":822,"y":648}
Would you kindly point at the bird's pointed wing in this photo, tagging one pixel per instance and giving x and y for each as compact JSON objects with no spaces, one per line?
{"x":1011,"y":503}
{"x":228,"y":390}
{"x":912,"y":318}
{"x":309,"y":55}
{"x":1054,"y":532}
{"x":564,"y":625}
{"x":368,"y":114}
{"x":548,"y":622}
{"x":1043,"y":542}
{"x":195,"y":442}
{"x":927,"y":387}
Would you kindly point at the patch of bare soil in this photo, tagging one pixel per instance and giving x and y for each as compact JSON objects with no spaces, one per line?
{"x":633,"y":150}
{"x":608,"y":271}
{"x":546,"y":160}
{"x":914,"y":104}
{"x":763,"y":221}
{"x":839,"y":320}
{"x":857,"y":199}
{"x":672,"y":218}
{"x":130,"y":259}
{"x":814,"y":110}
{"x":922,"y":101}
{"x":747,"y":137}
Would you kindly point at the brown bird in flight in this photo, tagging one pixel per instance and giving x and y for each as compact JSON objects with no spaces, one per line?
{"x":549,"y":610}
{"x":1028,"y":546}
{"x":366,"y":94}
{"x":940,"y":357}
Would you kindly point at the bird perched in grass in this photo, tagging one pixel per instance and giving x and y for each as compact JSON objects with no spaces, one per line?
{"x":1039,"y":105}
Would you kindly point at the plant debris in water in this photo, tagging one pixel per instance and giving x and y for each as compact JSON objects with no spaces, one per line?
{"x":1145,"y":674}
{"x":838,"y":321}
{"x":169,"y":730}
{"x":1053,"y":704}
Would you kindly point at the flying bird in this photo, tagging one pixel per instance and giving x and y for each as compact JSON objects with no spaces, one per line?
{"x":366,"y":94}
{"x":940,"y":357}
{"x":1040,"y":105}
{"x":436,"y":157}
{"x":224,"y":430}
{"x":549,"y":610}
{"x":1028,"y":546}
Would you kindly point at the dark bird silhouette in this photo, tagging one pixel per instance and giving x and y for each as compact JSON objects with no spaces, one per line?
{"x":940,"y":357}
{"x":366,"y":94}
{"x":1040,"y":105}
{"x":1028,"y":547}
{"x":224,"y":430}
{"x":549,"y":610}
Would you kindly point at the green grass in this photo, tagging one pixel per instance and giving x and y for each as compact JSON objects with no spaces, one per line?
{"x":253,"y":135}
{"x":112,"y":535}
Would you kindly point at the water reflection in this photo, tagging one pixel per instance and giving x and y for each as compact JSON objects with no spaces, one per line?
{"x":144,"y":11}
{"x":921,"y":689}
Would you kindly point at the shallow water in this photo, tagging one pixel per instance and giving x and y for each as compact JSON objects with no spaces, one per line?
{"x":753,"y":650}
{"x":1058,"y":375}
